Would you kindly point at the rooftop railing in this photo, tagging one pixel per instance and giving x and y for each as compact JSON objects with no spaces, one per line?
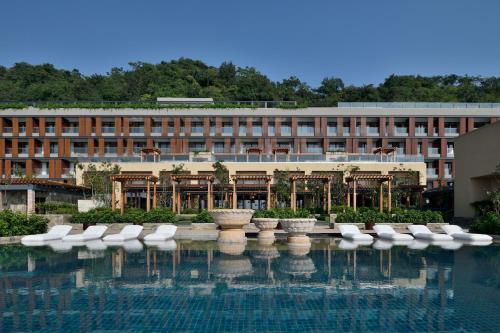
{"x":418,"y":105}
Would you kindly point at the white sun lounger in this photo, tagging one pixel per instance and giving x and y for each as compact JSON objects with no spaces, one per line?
{"x":388,"y":233}
{"x":128,"y":232}
{"x":56,"y":232}
{"x":458,"y":233}
{"x":352,"y":232}
{"x":92,"y":232}
{"x":162,"y":233}
{"x":422,"y":232}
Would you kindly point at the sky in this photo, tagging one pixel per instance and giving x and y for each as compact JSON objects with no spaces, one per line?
{"x":360,"y":41}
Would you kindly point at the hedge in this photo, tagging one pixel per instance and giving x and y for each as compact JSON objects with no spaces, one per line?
{"x":132,"y":215}
{"x":399,"y":216}
{"x":17,"y":224}
{"x":54,"y":207}
{"x":487,"y":224}
{"x":203,"y":217}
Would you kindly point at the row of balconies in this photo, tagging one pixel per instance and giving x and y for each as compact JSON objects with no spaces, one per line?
{"x":242,"y":131}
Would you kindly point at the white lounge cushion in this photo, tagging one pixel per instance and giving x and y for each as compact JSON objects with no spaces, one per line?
{"x":162,"y":233}
{"x":458,"y":233}
{"x":128,"y":232}
{"x":92,"y":232}
{"x":352,"y":232}
{"x":422,"y":232}
{"x":387,"y":232}
{"x":56,"y":232}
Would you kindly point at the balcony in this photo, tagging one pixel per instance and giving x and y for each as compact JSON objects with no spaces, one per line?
{"x":38,"y":151}
{"x":227,"y":131}
{"x":79,"y":151}
{"x":450,"y":152}
{"x":50,"y":130}
{"x":346,"y":131}
{"x":136,"y":131}
{"x":22,"y":152}
{"x":331,"y":131}
{"x":7,"y":131}
{"x":35,"y":131}
{"x":18,"y":172}
{"x":8,"y":152}
{"x":447,"y":173}
{"x":433,"y":152}
{"x":69,"y":131}
{"x":257,"y":131}
{"x":305,"y":131}
{"x":108,"y":130}
{"x":41,"y":172}
{"x":212,"y":131}
{"x":164,"y":150}
{"x":110,"y":151}
{"x":68,"y":173}
{"x":271,"y":131}
{"x":432,"y":173}
{"x":22,"y":130}
{"x":156,"y":130}
{"x":286,"y":131}
{"x":314,"y":149}
{"x":171,"y":131}
{"x":400,"y":131}
{"x":420,"y":131}
{"x":372,"y":131}
{"x":197,"y":131}
{"x":451,"y":131}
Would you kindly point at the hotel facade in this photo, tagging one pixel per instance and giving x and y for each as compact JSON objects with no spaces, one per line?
{"x":43,"y":143}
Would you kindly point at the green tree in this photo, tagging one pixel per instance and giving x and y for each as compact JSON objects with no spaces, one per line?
{"x":222,"y":178}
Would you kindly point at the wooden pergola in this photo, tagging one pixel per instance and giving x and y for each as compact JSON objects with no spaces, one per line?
{"x":379,"y":179}
{"x":123,"y":179}
{"x":151,"y":151}
{"x":385,"y":151}
{"x":281,"y":150}
{"x":266,"y":178}
{"x":254,"y":150}
{"x":176,"y":196}
{"x":327,"y":181}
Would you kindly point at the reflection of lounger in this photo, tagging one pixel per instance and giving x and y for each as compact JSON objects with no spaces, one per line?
{"x":387,"y":232}
{"x":162,"y":233}
{"x":60,"y":246}
{"x":168,"y":245}
{"x":132,"y":246}
{"x":92,"y":232}
{"x":56,"y":232}
{"x":418,"y":245}
{"x":129,"y":232}
{"x":447,"y":245}
{"x":458,"y":233}
{"x":381,"y":244}
{"x":96,"y":245}
{"x":352,"y":245}
{"x":422,"y":232}
{"x":475,"y":243}
{"x":352,"y":232}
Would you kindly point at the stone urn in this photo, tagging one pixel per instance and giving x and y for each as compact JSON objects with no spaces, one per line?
{"x":298,"y":241}
{"x":231,"y":221}
{"x":266,"y":227}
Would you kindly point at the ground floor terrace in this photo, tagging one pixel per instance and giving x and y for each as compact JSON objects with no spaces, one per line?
{"x":264,"y":185}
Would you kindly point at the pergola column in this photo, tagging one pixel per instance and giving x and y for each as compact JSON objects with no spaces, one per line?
{"x":329,"y":196}
{"x":268,"y":201}
{"x":293,"y":197}
{"x":381,"y":197}
{"x":235,"y":196}
{"x":348,"y":195}
{"x":173,"y":196}
{"x":179,"y":206}
{"x":113,"y":196}
{"x":154,"y":195}
{"x":389,"y":196}
{"x":122,"y":201}
{"x":209,"y":195}
{"x":354,"y":195}
{"x":148,"y":196}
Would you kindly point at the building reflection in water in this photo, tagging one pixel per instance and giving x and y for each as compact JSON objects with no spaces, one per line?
{"x":252,"y":285}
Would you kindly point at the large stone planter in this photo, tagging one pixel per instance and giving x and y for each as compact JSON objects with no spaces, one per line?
{"x":266,"y":227}
{"x":232,"y":221}
{"x":298,"y":227}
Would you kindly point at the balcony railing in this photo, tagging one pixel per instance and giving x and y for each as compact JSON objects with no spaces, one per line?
{"x":271,"y":131}
{"x":156,"y":130}
{"x":50,"y":130}
{"x":242,"y":131}
{"x":242,"y":157}
{"x":22,"y":130}
{"x":450,"y":152}
{"x":41,"y":172}
{"x":420,"y":131}
{"x":35,"y":131}
{"x":7,"y":130}
{"x":433,"y":152}
{"x":305,"y":131}
{"x":431,"y":173}
{"x":331,"y":131}
{"x":69,"y":130}
{"x":22,"y":151}
{"x":38,"y":151}
{"x":110,"y":150}
{"x":372,"y":131}
{"x":401,"y":131}
{"x":136,"y":130}
{"x":196,"y":131}
{"x":68,"y":173}
{"x":451,"y":131}
{"x":227,"y":131}
{"x":448,"y":173}
{"x":314,"y":149}
{"x":108,"y":130}
{"x":79,"y":151}
{"x":346,"y":131}
{"x":256,"y":131}
{"x":286,"y":131}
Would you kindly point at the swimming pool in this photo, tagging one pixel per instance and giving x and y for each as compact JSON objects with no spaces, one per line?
{"x":195,"y":287}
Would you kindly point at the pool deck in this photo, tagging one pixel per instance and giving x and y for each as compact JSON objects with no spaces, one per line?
{"x":208,"y":231}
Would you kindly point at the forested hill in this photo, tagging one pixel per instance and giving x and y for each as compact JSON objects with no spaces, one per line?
{"x":192,"y":78}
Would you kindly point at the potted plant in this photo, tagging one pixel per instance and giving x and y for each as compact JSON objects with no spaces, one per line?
{"x":266,"y":221}
{"x":231,"y":221}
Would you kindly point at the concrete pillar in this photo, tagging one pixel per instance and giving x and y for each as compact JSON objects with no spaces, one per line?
{"x":235,"y":196}
{"x":113,"y":196}
{"x":389,"y":196}
{"x":294,"y":196}
{"x":268,"y":201}
{"x":148,"y":196}
{"x":173,"y":196}
{"x":329,"y":196}
{"x":30,"y":202}
{"x":354,"y":195}
{"x":154,"y":195}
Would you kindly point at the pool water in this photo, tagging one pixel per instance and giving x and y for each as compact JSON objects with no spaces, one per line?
{"x":196,"y":288}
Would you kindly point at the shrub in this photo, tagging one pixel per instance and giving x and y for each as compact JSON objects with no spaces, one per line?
{"x":203,"y":217}
{"x":340,"y":209}
{"x":159,"y":215}
{"x":17,"y":224}
{"x":265,"y":213}
{"x":133,"y":215}
{"x":302,"y":213}
{"x":348,"y":216}
{"x":189,"y":211}
{"x":98,"y":215}
{"x":417,"y":217}
{"x":487,"y":224}
{"x":54,"y":207}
